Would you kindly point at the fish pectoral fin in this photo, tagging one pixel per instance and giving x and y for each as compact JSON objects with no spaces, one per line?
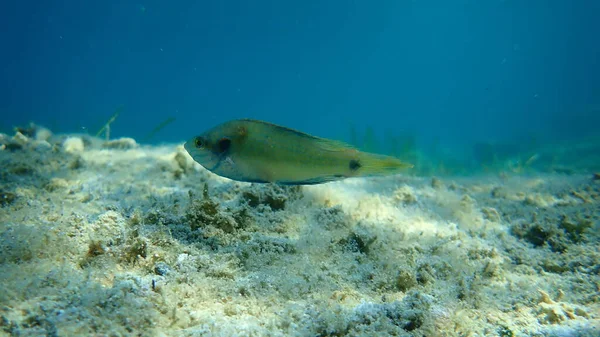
{"x":230,"y":161}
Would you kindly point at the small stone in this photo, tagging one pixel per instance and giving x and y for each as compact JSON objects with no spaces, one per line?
{"x":553,"y":315}
{"x":20,"y":139}
{"x":466,"y":202}
{"x":491,"y":269}
{"x":183,"y":160}
{"x":540,"y":200}
{"x":405,"y":280}
{"x":56,"y":184}
{"x":490,"y":214}
{"x":405,"y":195}
{"x":124,"y":143}
{"x":42,"y":134}
{"x":41,"y":146}
{"x":581,"y":197}
{"x":73,"y":145}
{"x":580,"y":312}
{"x":27,"y":131}
{"x":499,"y":192}
{"x":545,"y":298}
{"x":7,"y":198}
{"x":162,"y":269}
{"x":13,"y":147}
{"x":436,"y":183}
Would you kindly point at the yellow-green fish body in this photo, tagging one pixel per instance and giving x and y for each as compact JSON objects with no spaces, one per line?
{"x":255,"y":151}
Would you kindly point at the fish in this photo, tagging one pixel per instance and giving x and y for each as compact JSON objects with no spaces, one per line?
{"x":255,"y":151}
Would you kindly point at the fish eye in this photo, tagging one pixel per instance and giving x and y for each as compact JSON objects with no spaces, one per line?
{"x":198,"y":142}
{"x":224,"y":144}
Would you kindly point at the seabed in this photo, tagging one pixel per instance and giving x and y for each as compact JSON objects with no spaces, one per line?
{"x":111,"y":238}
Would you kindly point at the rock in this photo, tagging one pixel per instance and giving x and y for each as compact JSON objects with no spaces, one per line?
{"x":405,"y":195}
{"x":42,"y":134}
{"x":73,"y":145}
{"x":41,"y":146}
{"x":124,"y":143}
{"x":405,"y":280}
{"x":20,"y":139}
{"x":161,"y":269}
{"x":6,"y":198}
{"x":436,"y":183}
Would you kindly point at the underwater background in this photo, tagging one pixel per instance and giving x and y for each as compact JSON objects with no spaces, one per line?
{"x":467,"y":83}
{"x":111,"y":226}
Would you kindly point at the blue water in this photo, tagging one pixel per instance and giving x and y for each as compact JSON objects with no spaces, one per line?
{"x":445,"y":72}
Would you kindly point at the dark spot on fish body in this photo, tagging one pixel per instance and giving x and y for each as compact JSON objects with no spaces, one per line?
{"x":354,"y":165}
{"x":223,"y":145}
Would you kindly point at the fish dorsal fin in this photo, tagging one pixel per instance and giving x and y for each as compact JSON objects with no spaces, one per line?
{"x":323,"y":143}
{"x":281,"y":128}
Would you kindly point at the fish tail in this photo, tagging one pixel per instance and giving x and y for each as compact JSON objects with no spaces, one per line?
{"x":376,"y":164}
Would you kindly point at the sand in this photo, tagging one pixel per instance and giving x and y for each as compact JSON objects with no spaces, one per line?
{"x":118,"y":239}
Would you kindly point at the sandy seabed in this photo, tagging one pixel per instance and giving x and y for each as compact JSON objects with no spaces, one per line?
{"x":116,"y":239}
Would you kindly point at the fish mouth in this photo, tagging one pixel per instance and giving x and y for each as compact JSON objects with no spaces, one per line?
{"x":203,"y":157}
{"x":188,"y":147}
